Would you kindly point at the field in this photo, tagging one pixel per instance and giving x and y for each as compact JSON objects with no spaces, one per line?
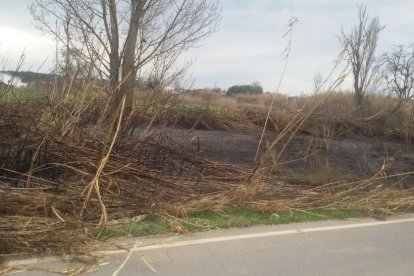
{"x":67,"y":173}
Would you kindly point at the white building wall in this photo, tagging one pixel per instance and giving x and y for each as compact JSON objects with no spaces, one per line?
{"x":10,"y":80}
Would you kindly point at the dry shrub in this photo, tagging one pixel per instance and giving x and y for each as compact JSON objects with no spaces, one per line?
{"x":372,"y":195}
{"x":56,"y":151}
{"x":209,"y":98}
{"x":40,"y":235}
{"x":262,"y":100}
{"x":47,"y":161}
{"x":178,"y":111}
{"x":336,"y":111}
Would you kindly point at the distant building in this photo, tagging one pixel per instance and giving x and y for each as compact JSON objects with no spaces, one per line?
{"x":9,"y":79}
{"x":170,"y":89}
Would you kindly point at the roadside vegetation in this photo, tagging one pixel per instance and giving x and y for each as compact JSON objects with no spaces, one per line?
{"x":218,"y":220}
{"x":84,"y":158}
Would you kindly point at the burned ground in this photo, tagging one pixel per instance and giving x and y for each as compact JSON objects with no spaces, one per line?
{"x":353,"y":156}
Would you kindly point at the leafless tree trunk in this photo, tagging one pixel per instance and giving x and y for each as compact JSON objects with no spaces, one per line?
{"x":113,"y":36}
{"x":67,"y":48}
{"x":129,"y":69}
{"x":360,"y":44}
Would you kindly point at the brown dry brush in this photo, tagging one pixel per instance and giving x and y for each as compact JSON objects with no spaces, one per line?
{"x":372,"y":123}
{"x":380,"y":192}
{"x":50,"y":158}
{"x":51,"y":152}
{"x":191,"y":117}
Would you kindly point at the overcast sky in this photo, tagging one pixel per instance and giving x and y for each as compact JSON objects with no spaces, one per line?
{"x":249,"y":44}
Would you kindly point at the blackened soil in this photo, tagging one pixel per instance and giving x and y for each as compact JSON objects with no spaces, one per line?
{"x":354,"y":156}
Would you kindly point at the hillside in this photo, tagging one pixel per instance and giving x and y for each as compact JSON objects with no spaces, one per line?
{"x":28,"y":76}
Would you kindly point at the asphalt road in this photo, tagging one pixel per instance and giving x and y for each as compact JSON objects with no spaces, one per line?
{"x":352,"y":247}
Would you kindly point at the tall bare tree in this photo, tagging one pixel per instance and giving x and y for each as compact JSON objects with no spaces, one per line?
{"x":120,"y":37}
{"x":317,"y":83}
{"x":360,"y":45}
{"x":398,"y":72}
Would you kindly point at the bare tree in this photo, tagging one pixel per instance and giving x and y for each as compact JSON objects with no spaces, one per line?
{"x":360,"y":45}
{"x":160,"y":72}
{"x":398,"y":72}
{"x":317,"y":83}
{"x":119,"y":37}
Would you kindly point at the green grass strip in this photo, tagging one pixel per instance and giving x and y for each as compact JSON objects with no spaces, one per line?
{"x":215,"y":220}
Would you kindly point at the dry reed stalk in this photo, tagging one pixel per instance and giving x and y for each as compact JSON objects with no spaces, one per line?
{"x":3,"y":266}
{"x":292,"y":22}
{"x":291,"y":129}
{"x":94,"y":184}
{"x":130,"y":253}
